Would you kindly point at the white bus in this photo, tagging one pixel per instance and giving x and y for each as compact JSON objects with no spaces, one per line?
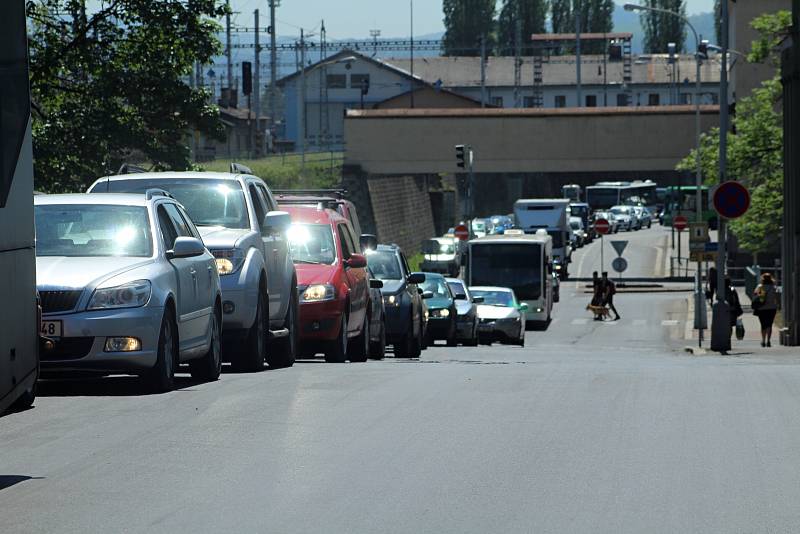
{"x":518,"y":261}
{"x":19,"y":339}
{"x":604,"y":195}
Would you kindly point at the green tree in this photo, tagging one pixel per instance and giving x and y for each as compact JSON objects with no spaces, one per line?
{"x":718,"y":21}
{"x":109,"y":85}
{"x":561,"y":16}
{"x":532,"y":16}
{"x":596,"y":16}
{"x":465,"y":22}
{"x":663,"y":28}
{"x":755,"y":150}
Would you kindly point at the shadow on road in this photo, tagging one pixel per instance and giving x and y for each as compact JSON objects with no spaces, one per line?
{"x":111,"y":386}
{"x":6,"y":481}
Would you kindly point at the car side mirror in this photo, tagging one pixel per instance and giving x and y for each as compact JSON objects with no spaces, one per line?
{"x":368,"y":242}
{"x":461,"y":296}
{"x":276,"y":222}
{"x":186,"y":247}
{"x":523,"y":307}
{"x":356,"y":261}
{"x":416,"y":278}
{"x":477,"y":300}
{"x":374,"y":283}
{"x":427,"y":295}
{"x":419,"y":291}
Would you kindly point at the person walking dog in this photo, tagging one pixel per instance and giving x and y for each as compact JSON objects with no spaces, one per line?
{"x":765,"y":306}
{"x":609,"y":290}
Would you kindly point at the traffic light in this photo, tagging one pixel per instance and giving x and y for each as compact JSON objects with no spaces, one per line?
{"x":247,"y":77}
{"x":702,"y":49}
{"x":461,"y":156}
{"x":364,"y":86}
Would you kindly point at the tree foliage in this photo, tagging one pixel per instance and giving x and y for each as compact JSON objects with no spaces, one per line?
{"x":660,"y":29}
{"x":107,"y":85}
{"x":466,"y":22}
{"x":532,"y":17}
{"x":562,"y":18}
{"x":596,"y":16}
{"x":755,"y":147}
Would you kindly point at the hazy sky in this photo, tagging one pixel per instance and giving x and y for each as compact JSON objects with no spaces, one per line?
{"x":354,"y":18}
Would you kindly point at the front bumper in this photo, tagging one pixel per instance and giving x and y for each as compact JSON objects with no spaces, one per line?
{"x":439,"y":328}
{"x":499,"y":329}
{"x":464,"y":327}
{"x":243,"y":301}
{"x":398,"y":322}
{"x":84,"y":336}
{"x":320,"y":321}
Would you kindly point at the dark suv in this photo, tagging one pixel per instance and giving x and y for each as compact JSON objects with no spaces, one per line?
{"x":405,"y":311}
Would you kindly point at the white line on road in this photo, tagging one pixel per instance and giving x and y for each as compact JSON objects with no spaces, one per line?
{"x":580,"y":321}
{"x":667,"y":322}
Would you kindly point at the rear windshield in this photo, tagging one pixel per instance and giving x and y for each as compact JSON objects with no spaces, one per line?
{"x":79,"y":230}
{"x":385,"y":265}
{"x":208,"y":202}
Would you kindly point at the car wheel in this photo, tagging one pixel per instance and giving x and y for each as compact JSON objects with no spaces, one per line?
{"x":251,"y":358}
{"x":417,"y":344}
{"x":337,"y":349}
{"x":358,"y":350}
{"x":377,"y":349}
{"x":161,"y":377}
{"x":283,"y":351}
{"x":473,"y":341}
{"x":452,"y":341}
{"x":25,"y":400}
{"x":209,"y":367}
{"x":405,"y":347}
{"x":521,"y":341}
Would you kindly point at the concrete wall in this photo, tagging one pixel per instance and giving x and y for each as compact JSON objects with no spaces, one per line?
{"x":748,"y":76}
{"x":598,"y":140}
{"x":401,"y":210}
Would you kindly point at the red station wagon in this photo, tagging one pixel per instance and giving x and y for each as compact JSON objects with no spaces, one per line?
{"x":332,"y":282}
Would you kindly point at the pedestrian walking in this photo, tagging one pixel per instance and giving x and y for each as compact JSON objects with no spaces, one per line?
{"x":597,"y":297}
{"x":734,"y":306}
{"x":609,"y":290}
{"x":765,"y":306}
{"x":712,"y":284}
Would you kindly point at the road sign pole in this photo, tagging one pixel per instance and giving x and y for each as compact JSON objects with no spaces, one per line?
{"x":602,"y":247}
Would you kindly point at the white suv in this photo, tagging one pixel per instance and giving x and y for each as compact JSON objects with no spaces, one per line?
{"x":239,"y":221}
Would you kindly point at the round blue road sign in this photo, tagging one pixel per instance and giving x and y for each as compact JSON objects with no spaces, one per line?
{"x":731,"y":200}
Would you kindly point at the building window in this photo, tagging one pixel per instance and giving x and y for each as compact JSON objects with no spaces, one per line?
{"x":528,"y":102}
{"x":497,"y":101}
{"x":561,"y":101}
{"x":337,"y":81}
{"x":357,"y":81}
{"x":591,"y":101}
{"x":622,"y":100}
{"x":653,"y":99}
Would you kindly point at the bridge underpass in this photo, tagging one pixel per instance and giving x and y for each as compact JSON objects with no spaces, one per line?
{"x":396,"y":159}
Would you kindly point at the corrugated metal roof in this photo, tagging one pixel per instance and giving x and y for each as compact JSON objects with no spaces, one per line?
{"x":527,"y":112}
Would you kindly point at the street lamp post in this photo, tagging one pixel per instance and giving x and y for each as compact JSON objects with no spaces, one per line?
{"x":699,"y":308}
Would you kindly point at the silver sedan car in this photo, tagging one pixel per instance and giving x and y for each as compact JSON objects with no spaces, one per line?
{"x":127,"y":287}
{"x":501,"y":317}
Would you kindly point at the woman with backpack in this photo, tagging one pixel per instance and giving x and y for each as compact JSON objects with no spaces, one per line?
{"x":765,"y":306}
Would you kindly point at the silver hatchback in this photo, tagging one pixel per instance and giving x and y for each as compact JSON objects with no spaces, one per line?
{"x":127,"y":287}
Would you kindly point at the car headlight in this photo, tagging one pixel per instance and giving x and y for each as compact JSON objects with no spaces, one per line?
{"x":131,"y":295}
{"x":443,"y":313}
{"x":392,"y":300}
{"x":228,"y":261}
{"x":318,"y":293}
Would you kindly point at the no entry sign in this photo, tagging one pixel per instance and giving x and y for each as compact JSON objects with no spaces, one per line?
{"x":731,"y":200}
{"x":602,"y":226}
{"x":680,"y":223}
{"x":462,"y":232}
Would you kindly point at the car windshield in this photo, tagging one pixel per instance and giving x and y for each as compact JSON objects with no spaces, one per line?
{"x":437,"y":286}
{"x":446,"y":248}
{"x":312,"y":243}
{"x":495,"y":298}
{"x":208,"y":202}
{"x":385,"y":265}
{"x":620,"y":211}
{"x":456,"y":287}
{"x":575,"y":225}
{"x":77,"y":230}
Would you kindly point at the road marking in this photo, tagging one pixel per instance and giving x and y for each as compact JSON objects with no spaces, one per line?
{"x":667,"y":322}
{"x":639,"y":322}
{"x":580,"y":321}
{"x":611,"y":323}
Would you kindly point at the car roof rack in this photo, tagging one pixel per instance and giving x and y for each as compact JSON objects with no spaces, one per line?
{"x":155,"y":192}
{"x":238,"y":168}
{"x":336,"y":193}
{"x":128,"y":168}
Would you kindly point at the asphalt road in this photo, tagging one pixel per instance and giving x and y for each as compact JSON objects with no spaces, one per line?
{"x":592,"y":427}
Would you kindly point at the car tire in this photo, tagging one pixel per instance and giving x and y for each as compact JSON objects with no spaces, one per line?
{"x":283,"y":351}
{"x":521,"y":341}
{"x":25,"y":400}
{"x":251,"y":358}
{"x":161,"y":378}
{"x":336,"y":351}
{"x":452,"y":340}
{"x":209,"y":367}
{"x":405,"y":347}
{"x":473,"y":341}
{"x":377,"y":349}
{"x":358,"y":350}
{"x":417,"y":343}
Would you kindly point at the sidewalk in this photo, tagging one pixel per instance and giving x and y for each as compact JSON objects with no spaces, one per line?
{"x":752,"y":327}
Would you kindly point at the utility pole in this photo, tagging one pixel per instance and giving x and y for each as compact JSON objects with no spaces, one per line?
{"x":323,"y":87}
{"x":256,"y":128}
{"x":413,"y":84}
{"x":483,"y":71}
{"x":375,"y":34}
{"x":720,"y":324}
{"x":578,"y":91}
{"x":228,"y":52}
{"x":517,"y":59}
{"x":273,"y":63}
{"x":302,"y":100}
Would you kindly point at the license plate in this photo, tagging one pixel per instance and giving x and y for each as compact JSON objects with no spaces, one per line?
{"x":51,"y":329}
{"x":486,"y":327}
